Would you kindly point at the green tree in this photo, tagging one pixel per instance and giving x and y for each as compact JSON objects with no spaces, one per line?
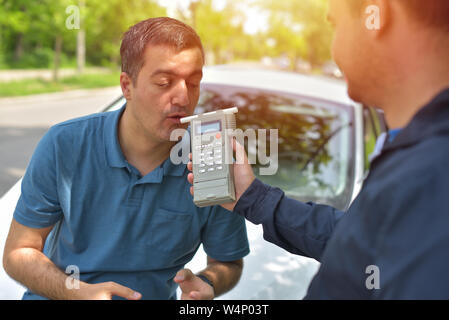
{"x":34,"y":33}
{"x":106,"y":21}
{"x":299,"y":29}
{"x":221,"y":30}
{"x":31,"y":31}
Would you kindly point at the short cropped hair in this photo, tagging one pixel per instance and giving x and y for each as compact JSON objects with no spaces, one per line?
{"x":154,"y":31}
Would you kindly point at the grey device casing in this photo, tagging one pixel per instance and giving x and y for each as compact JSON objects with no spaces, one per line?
{"x":212,"y":159}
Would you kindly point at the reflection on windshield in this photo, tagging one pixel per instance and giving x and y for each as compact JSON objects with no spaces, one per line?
{"x":314,"y":139}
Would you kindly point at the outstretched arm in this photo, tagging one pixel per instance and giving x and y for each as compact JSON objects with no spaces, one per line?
{"x":300,"y":228}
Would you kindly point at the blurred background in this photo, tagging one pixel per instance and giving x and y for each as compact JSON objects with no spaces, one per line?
{"x":60,"y":59}
{"x":54,"y":45}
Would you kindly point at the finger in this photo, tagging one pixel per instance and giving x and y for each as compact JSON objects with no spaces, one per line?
{"x":190,"y":178}
{"x":191,"y":190}
{"x":190,"y":166}
{"x":240,"y":152}
{"x":190,"y":156}
{"x":195,"y":295}
{"x":186,"y":296}
{"x":124,"y":292}
{"x":184,"y":275}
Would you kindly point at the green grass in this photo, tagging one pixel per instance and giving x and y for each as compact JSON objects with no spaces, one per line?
{"x":36,"y":86}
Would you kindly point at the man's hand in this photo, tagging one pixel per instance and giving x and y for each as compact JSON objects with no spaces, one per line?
{"x":24,"y":261}
{"x":192,"y":287}
{"x":243,"y":174}
{"x":104,"y":291}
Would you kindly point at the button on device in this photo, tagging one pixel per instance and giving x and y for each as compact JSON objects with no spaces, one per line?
{"x":218,"y":136}
{"x":211,"y":169}
{"x":202,"y":171}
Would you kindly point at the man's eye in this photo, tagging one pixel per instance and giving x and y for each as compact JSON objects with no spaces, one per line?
{"x":163,"y":84}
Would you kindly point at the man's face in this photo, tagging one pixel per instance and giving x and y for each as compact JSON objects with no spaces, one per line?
{"x":352,"y":48}
{"x":167,"y":89}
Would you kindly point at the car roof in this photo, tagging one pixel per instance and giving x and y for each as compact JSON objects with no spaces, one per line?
{"x":308,"y":85}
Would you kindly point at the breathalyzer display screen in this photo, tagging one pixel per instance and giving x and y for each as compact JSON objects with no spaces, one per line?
{"x":208,"y":127}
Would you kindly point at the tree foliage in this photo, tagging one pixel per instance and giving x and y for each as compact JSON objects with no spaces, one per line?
{"x":299,"y":29}
{"x":31,"y":30}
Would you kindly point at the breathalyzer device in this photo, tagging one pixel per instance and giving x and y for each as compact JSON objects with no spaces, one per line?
{"x":212,"y":158}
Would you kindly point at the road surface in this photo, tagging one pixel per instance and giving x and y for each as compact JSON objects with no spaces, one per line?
{"x":24,"y":120}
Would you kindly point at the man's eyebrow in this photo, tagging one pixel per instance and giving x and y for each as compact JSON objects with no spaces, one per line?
{"x":173,"y":73}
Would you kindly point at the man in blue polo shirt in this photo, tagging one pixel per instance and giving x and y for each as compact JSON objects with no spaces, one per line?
{"x":102,"y":199}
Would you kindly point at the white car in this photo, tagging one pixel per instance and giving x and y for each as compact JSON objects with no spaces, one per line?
{"x":324,"y":143}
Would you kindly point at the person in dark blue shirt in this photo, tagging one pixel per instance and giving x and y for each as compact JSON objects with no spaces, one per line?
{"x":393,"y":241}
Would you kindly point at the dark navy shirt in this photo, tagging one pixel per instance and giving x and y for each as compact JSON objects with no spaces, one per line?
{"x":393,"y":242}
{"x":393,"y":133}
{"x":112,"y":224}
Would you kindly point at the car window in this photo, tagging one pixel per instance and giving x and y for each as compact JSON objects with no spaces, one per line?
{"x":117,"y":104}
{"x":315,"y":149}
{"x":374,"y":125}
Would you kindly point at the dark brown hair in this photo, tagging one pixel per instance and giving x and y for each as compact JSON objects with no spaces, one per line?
{"x":154,"y":31}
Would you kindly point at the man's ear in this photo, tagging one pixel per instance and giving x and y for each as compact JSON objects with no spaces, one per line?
{"x":377,"y":16}
{"x":126,"y":85}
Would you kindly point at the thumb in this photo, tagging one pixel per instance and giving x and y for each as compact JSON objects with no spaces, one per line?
{"x":124,"y":292}
{"x":184,"y":275}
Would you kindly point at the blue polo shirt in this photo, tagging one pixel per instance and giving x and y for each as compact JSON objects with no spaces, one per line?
{"x":112,"y":223}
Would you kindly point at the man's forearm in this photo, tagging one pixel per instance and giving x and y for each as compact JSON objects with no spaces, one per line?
{"x":38,"y":273}
{"x":223,"y":275}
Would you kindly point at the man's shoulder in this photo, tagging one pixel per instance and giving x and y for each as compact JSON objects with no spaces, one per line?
{"x":429,"y":154}
{"x":84,"y":121}
{"x":415,"y":169}
{"x":81,"y":132}
{"x":79,"y":127}
{"x":426,"y":154}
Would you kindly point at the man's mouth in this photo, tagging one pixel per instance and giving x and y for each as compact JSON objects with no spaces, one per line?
{"x":176,"y":117}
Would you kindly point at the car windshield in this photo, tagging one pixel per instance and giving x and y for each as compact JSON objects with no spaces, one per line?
{"x":315,"y":139}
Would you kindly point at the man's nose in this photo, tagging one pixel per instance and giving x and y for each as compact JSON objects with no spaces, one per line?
{"x":181,"y":94}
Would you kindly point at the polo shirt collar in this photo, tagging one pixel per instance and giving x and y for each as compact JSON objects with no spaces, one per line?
{"x":116,"y":159}
{"x":113,"y":151}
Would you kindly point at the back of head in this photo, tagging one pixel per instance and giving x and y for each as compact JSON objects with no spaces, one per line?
{"x":429,"y":13}
{"x":392,"y":52}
